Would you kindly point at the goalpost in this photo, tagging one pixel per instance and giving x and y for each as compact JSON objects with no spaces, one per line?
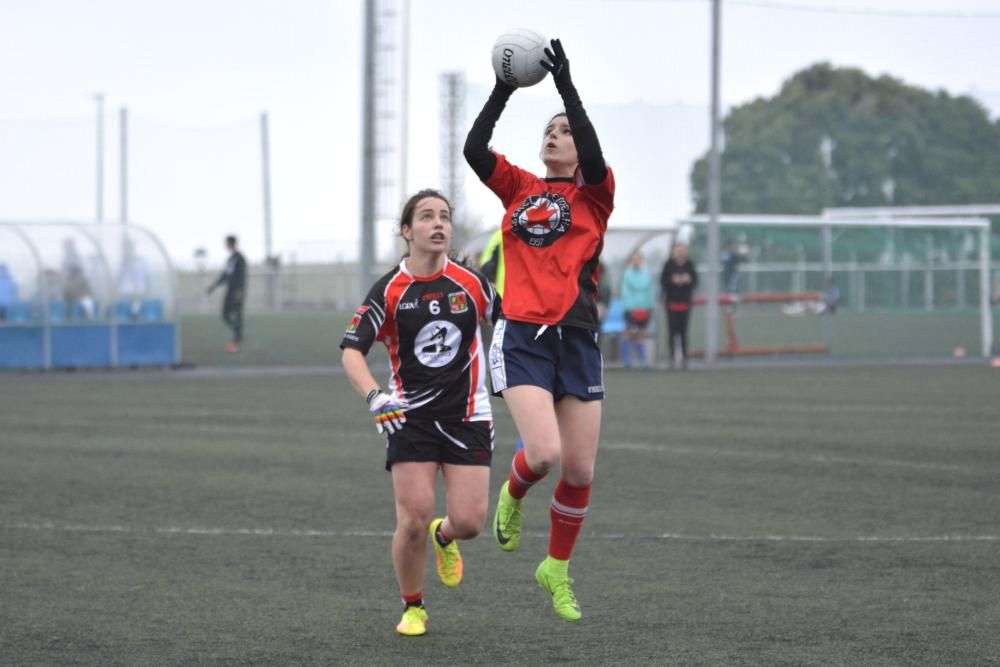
{"x":870,"y":263}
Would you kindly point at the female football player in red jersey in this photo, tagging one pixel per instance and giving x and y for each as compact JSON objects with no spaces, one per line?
{"x":544,"y":359}
{"x":436,"y":410}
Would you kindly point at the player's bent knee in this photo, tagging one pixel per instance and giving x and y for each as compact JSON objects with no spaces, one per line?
{"x":541,"y":459}
{"x":466,"y":527}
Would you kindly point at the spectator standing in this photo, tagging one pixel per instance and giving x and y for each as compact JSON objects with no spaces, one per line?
{"x":638,"y":301}
{"x":678,"y":281}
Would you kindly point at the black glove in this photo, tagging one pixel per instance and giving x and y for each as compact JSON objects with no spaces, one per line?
{"x":558,"y":63}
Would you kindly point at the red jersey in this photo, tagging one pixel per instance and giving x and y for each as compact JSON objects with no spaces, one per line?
{"x":430,"y":325}
{"x":553,"y":234}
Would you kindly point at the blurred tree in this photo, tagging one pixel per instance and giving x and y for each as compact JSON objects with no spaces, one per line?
{"x":838,"y":137}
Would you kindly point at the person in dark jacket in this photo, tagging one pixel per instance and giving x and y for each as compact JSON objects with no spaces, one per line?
{"x":678,"y":281}
{"x":234,"y":276}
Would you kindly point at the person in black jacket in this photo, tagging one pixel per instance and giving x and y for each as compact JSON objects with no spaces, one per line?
{"x":235,"y":278}
{"x":678,"y":281}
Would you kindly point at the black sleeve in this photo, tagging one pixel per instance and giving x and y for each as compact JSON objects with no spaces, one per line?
{"x":219,"y":281}
{"x":588,"y":147}
{"x":694,"y":276}
{"x":477,"y":143}
{"x":496,"y":312}
{"x":365,"y":325}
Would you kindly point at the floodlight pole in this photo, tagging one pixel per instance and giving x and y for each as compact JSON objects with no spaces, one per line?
{"x":404,"y":83}
{"x":265,"y":168}
{"x":366,"y":251}
{"x":714,"y":178}
{"x":123,"y":166}
{"x":99,"y":167}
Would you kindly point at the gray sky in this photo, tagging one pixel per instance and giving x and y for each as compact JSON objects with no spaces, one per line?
{"x":195,"y":74}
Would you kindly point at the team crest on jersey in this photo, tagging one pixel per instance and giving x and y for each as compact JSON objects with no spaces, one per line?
{"x":356,"y":320}
{"x":542,"y":219}
{"x":458,"y":302}
{"x":437,"y":343}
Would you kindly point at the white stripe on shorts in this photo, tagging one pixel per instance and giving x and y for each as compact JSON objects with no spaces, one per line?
{"x":498,"y":373}
{"x":457,"y":442}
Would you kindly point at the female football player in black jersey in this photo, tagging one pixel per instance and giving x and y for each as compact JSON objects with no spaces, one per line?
{"x":435,"y":410}
{"x":544,"y":358}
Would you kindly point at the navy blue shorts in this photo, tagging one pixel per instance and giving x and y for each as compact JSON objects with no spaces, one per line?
{"x":565,"y":361}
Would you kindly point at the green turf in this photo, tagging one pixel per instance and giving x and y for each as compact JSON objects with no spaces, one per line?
{"x":298,"y":339}
{"x":743,"y":517}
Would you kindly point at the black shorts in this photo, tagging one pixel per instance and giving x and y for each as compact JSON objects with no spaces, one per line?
{"x":457,"y":443}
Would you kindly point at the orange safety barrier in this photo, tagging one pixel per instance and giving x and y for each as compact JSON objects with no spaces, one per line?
{"x":734,"y":348}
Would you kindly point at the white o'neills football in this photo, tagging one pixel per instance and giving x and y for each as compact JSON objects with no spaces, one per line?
{"x":517,"y":56}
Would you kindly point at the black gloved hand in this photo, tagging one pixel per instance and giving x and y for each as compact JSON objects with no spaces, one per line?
{"x":558,"y":63}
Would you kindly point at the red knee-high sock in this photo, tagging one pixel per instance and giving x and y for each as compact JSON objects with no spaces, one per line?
{"x":522,"y":477}
{"x":567,"y":512}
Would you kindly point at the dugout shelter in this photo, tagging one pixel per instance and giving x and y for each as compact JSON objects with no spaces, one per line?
{"x":84,"y":295}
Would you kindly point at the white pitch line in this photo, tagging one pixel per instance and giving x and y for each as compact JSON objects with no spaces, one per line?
{"x":784,"y":456}
{"x":297,"y":532}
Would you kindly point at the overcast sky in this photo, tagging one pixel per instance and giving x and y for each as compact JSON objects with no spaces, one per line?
{"x":195,"y":75}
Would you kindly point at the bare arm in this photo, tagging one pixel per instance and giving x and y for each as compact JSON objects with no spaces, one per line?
{"x":357,"y":371}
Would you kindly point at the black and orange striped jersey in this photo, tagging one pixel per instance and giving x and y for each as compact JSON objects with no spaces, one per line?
{"x":553,"y":234}
{"x":430,"y":326}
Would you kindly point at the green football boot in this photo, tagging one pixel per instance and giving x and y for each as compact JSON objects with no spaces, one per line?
{"x":507,"y":520}
{"x":552,"y":575}
{"x":413,"y":623}
{"x":449,"y":560}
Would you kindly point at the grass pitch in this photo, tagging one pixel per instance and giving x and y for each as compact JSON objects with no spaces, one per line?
{"x":739,"y":517}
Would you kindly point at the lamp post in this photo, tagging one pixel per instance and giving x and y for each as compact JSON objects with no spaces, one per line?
{"x":714,"y":196}
{"x":99,"y":169}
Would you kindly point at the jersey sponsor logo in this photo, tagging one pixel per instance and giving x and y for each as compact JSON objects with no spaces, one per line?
{"x":430,"y":296}
{"x":458,"y":302}
{"x":408,"y":305}
{"x":356,"y":319}
{"x":437,"y":343}
{"x":542,"y":219}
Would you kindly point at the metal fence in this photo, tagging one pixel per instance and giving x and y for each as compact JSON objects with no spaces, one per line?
{"x":331,"y":287}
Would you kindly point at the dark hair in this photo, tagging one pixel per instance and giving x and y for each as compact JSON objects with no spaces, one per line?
{"x":231,"y":240}
{"x":561,"y":113}
{"x":406,"y":217}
